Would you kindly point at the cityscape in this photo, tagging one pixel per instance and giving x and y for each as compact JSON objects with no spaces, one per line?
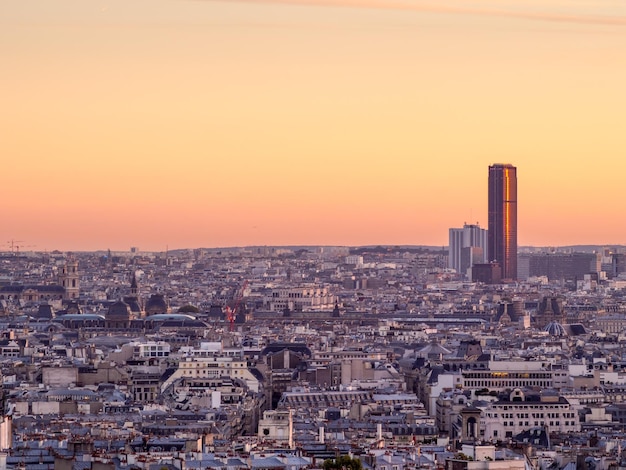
{"x":482,"y":355}
{"x":285,"y":235}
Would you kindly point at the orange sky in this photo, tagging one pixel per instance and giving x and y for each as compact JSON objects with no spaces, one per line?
{"x":187,"y":123}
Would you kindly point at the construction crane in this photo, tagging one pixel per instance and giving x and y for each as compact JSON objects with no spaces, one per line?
{"x":231,"y":314}
{"x":14,"y":244}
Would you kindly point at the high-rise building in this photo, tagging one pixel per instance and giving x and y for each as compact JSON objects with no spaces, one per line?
{"x":502,"y":238}
{"x":467,"y":246}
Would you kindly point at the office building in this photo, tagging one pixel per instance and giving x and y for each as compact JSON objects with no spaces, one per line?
{"x":559,"y":266}
{"x":502,"y":229}
{"x":487,"y":273}
{"x":467,"y":247}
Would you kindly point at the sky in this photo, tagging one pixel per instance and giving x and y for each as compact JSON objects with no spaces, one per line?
{"x":204,"y":123}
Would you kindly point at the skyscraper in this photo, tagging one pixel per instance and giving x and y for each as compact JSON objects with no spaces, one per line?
{"x":502,"y":229}
{"x":467,"y":246}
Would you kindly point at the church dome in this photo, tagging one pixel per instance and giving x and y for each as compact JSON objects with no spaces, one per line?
{"x":555,"y":329}
{"x":119,"y":310}
{"x":156,"y":304}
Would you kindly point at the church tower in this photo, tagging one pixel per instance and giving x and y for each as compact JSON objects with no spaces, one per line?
{"x":70,"y":279}
{"x":133,"y":300}
{"x":134,"y":288}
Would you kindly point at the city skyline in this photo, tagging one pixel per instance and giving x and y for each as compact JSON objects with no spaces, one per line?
{"x":204,"y":123}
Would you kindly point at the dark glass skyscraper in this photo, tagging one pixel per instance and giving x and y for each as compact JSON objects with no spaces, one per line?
{"x":502,"y":235}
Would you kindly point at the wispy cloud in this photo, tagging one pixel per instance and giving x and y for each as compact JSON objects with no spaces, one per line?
{"x":537,"y":15}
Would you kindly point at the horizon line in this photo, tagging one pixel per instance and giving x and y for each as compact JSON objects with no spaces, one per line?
{"x":233,"y":247}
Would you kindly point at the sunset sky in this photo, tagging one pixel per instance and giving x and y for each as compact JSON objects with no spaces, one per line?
{"x":189,"y":123}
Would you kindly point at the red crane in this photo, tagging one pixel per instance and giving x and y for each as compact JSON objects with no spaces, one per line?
{"x":231,"y":314}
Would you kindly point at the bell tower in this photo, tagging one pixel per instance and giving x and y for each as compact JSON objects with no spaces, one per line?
{"x":134,"y":288}
{"x":70,"y":279}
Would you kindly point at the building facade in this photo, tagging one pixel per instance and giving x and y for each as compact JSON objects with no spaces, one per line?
{"x":502,"y":230}
{"x":503,"y":375}
{"x":527,"y":410}
{"x":309,"y":297}
{"x":558,"y":266}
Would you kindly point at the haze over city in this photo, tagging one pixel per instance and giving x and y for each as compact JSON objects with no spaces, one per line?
{"x":204,"y":123}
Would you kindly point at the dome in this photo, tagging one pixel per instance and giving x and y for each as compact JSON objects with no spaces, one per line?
{"x":119,"y":310}
{"x":156,"y":304}
{"x":555,"y":329}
